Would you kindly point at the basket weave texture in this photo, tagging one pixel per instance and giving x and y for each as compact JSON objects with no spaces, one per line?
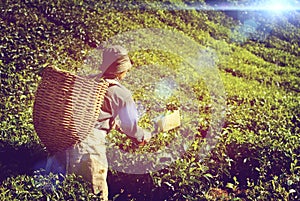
{"x":66,"y":108}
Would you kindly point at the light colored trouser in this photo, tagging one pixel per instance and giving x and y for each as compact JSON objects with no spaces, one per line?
{"x":88,"y":159}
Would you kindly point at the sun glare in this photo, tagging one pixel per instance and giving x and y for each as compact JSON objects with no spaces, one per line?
{"x":259,"y":5}
{"x":279,"y":5}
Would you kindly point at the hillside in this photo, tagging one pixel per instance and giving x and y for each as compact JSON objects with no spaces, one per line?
{"x":234,"y":75}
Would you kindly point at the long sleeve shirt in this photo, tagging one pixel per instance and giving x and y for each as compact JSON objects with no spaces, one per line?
{"x":119,"y":105}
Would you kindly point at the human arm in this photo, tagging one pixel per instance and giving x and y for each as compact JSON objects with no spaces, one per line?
{"x":128,"y":123}
{"x":124,"y":113}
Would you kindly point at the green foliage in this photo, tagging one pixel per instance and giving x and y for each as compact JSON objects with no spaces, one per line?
{"x":257,"y":156}
{"x":46,"y":187}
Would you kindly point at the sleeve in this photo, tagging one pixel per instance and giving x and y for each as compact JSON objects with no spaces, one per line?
{"x":128,"y":120}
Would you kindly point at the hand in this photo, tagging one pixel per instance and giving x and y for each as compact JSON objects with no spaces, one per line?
{"x":142,"y":143}
{"x":147,"y":136}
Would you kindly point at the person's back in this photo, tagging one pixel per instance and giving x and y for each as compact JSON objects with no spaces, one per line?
{"x":88,"y":158}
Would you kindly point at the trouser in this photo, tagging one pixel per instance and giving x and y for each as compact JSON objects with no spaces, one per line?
{"x":87,"y":159}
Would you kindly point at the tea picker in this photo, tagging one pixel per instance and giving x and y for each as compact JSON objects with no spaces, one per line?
{"x":73,"y":114}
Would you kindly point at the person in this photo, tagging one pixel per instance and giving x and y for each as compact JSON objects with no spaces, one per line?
{"x":88,"y":158}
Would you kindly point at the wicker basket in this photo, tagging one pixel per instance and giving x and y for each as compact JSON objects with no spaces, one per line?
{"x":66,"y":107}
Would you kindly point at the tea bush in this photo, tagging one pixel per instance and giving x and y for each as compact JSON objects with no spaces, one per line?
{"x":257,"y":154}
{"x":46,"y":187}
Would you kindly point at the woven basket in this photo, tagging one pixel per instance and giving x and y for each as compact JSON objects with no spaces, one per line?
{"x":66,"y":108}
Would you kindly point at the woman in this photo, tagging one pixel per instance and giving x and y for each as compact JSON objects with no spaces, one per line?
{"x":88,"y":158}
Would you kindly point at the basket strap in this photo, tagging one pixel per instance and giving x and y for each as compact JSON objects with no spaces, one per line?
{"x":111,"y":83}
